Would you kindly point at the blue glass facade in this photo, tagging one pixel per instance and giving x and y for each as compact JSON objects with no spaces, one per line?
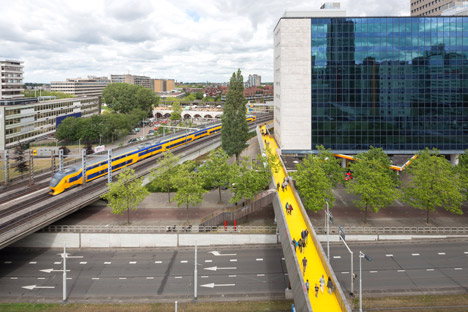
{"x":399,"y":83}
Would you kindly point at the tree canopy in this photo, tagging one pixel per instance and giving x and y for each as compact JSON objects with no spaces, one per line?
{"x":176,"y":111}
{"x":126,"y":193}
{"x":433,"y":183}
{"x":313,"y":183}
{"x":249,"y":178}
{"x":234,"y":133}
{"x":462,"y":170}
{"x":331,"y":166}
{"x":216,"y":171}
{"x":163,"y":176}
{"x":124,"y":98}
{"x":373,"y":183}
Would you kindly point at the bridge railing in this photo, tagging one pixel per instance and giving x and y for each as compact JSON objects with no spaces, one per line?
{"x":389,"y":230}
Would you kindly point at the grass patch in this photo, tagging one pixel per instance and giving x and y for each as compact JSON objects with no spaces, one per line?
{"x":425,"y":302}
{"x":242,"y":306}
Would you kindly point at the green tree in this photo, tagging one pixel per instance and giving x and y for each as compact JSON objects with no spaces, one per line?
{"x":249,"y":178}
{"x":68,"y":130}
{"x":163,"y":176}
{"x":199,"y":95}
{"x":176,"y":111}
{"x":235,"y":130}
{"x":313,"y":183}
{"x":462,"y":170}
{"x":373,"y":181}
{"x":273,"y":160}
{"x":331,"y":166}
{"x":123,"y":98}
{"x":189,"y":186}
{"x":433,"y":183}
{"x":126,"y":193}
{"x":216,"y":171}
{"x":21,"y":165}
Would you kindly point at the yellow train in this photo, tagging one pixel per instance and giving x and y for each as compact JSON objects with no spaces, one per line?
{"x":72,"y":176}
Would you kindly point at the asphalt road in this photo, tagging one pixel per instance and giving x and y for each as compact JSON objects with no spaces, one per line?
{"x":138,"y":274}
{"x":404,"y":267}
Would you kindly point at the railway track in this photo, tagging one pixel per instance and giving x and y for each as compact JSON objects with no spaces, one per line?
{"x":18,"y":214}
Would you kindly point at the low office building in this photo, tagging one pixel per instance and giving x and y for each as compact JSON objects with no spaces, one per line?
{"x":25,"y":120}
{"x":11,"y":83}
{"x":349,"y":83}
{"x":143,"y":81}
{"x":91,"y":86}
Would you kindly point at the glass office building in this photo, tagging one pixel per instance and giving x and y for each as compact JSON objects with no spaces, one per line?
{"x":399,"y":83}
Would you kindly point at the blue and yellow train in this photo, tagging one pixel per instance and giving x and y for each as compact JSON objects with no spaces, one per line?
{"x":73,"y":176}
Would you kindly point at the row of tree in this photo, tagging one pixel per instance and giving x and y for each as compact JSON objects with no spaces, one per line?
{"x":103,"y":127}
{"x":433,"y":182}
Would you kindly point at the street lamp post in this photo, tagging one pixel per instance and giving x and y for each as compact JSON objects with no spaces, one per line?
{"x":100,"y":139}
{"x":361,"y":255}
{"x":328,"y":218}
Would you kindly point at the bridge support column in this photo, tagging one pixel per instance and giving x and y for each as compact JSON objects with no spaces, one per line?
{"x":454,"y":159}
{"x":343,"y":162}
{"x":60,"y":159}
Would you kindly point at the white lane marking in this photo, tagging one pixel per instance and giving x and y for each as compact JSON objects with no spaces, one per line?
{"x":95,"y":278}
{"x":31,"y":287}
{"x":83,"y":262}
{"x":8,"y":262}
{"x":399,"y":271}
{"x":441,"y":253}
{"x":122,"y":278}
{"x":149,"y":277}
{"x":178,"y":277}
{"x":33,"y":262}
{"x":429,"y":270}
{"x":285,"y":273}
{"x":259,"y":259}
{"x":373,"y":271}
{"x":204,"y":276}
{"x":208,"y":261}
{"x":58,"y":262}
{"x":41,"y":278}
{"x":157,"y":262}
{"x":260,"y":274}
{"x":466,"y":252}
{"x":282,"y":259}
{"x":336,"y":257}
{"x":132,"y":262}
{"x":344,"y":272}
{"x":183,"y":261}
{"x":69,"y":278}
{"x":458,"y":269}
{"x":233,"y":260}
{"x":415,"y":254}
{"x":107,"y":262}
{"x":389,"y":255}
{"x":13,"y":278}
{"x":232,"y":275}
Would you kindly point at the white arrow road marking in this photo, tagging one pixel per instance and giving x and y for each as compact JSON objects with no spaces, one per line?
{"x":213,"y":285}
{"x":68,"y":256}
{"x":33,"y":262}
{"x":216,"y":253}
{"x":31,"y":287}
{"x":15,"y":278}
{"x":219,"y":268}
{"x":52,"y":270}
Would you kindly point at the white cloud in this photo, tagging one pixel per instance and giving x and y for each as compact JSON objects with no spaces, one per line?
{"x":183,"y":39}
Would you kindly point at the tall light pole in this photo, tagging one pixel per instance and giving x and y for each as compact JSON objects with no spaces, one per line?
{"x":64,"y":295}
{"x":361,"y":255}
{"x":328,"y":218}
{"x":195,"y":276}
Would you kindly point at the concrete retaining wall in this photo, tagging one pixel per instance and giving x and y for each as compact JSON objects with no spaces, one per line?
{"x":120,"y":240}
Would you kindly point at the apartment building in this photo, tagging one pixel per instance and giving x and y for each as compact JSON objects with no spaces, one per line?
{"x":24,"y":120}
{"x":143,"y":81}
{"x":254,"y":80}
{"x":91,"y":86}
{"x":431,"y":7}
{"x":11,"y":83}
{"x":163,"y":85}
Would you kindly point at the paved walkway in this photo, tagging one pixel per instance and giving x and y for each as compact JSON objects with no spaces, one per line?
{"x":314,"y":269}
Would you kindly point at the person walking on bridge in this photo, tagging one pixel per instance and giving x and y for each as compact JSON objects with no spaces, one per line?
{"x":322,"y":283}
{"x":330,"y":285}
{"x":304,"y":265}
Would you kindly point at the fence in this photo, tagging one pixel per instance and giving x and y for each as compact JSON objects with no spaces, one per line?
{"x":243,"y":229}
{"x":397,"y":230}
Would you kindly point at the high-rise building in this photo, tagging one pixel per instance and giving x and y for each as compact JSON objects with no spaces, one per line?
{"x":398,"y":83}
{"x":143,"y":81}
{"x":254,"y":80}
{"x":11,"y":83}
{"x":163,"y":85}
{"x":459,"y":8}
{"x":431,"y":7}
{"x":91,"y":86}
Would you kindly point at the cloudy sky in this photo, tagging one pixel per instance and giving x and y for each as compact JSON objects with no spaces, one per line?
{"x":188,"y":40}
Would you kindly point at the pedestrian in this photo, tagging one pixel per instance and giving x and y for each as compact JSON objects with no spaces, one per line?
{"x":304,"y":265}
{"x":300,"y":244}
{"x":282,"y":187}
{"x":277,"y":187}
{"x":290,"y":208}
{"x":287,"y":207}
{"x":302,"y":235}
{"x":316,"y":290}
{"x":330,"y":285}
{"x":294,"y":243}
{"x":303,"y":246}
{"x":322,"y":283}
{"x":307,"y":286}
{"x":306,"y":235}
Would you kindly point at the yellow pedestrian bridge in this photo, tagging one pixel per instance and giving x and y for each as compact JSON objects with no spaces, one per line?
{"x":290,"y":227}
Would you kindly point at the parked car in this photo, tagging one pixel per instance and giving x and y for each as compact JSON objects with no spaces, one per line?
{"x":151,"y":132}
{"x":132,"y":140}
